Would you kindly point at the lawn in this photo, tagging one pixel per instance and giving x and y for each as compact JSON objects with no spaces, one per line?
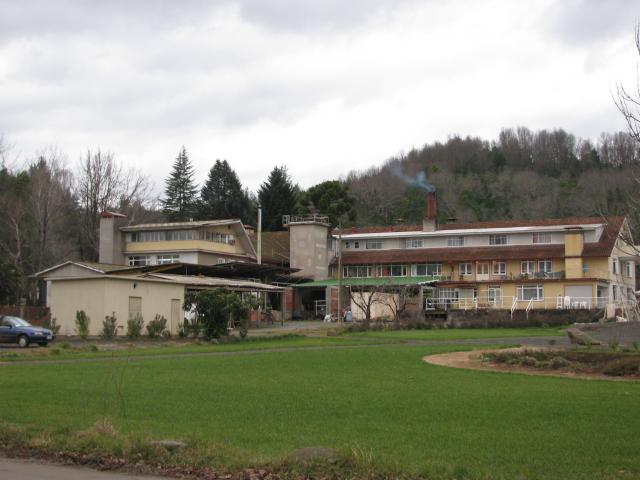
{"x":382,"y":402}
{"x":461,"y":333}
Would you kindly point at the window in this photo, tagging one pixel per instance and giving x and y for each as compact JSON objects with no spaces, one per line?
{"x":165,"y":259}
{"x":541,"y":237}
{"x":614,"y":266}
{"x":415,"y":243}
{"x":424,"y":269}
{"x":347,"y":244}
{"x":494,"y":295}
{"x":527,"y":267}
{"x":138,"y":260}
{"x":499,"y":268}
{"x":449,"y":294}
{"x":630,"y":266}
{"x":356,"y":244}
{"x":373,"y":244}
{"x":457,"y":241}
{"x":497,"y":239}
{"x":545,"y":266}
{"x":466,"y":269}
{"x":398,"y":270}
{"x":221,"y":261}
{"x":531,"y":292}
{"x":356,"y":271}
{"x":614,"y":293}
{"x":216,"y":237}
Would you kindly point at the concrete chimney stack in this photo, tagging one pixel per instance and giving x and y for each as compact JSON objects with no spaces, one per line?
{"x":111,"y":244}
{"x":431,"y":214}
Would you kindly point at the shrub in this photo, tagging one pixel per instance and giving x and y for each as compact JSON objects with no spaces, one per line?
{"x":614,"y":345}
{"x":157,"y":326}
{"x":134,"y":326}
{"x":214,"y":310}
{"x":623,"y":366}
{"x":109,"y":326}
{"x":52,"y":325}
{"x":65,"y":345}
{"x":55,"y":351}
{"x":559,"y":362}
{"x":82,"y":324}
{"x":528,"y":361}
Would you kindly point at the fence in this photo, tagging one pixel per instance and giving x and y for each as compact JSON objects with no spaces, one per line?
{"x":34,"y":315}
{"x":515,"y":303}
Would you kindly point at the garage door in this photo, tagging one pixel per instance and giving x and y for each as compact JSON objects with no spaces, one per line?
{"x":579,"y":295}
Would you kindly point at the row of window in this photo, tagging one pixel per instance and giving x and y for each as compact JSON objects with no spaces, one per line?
{"x":144,"y":260}
{"x":494,"y":293}
{"x":452,"y":241}
{"x":172,"y":235}
{"x":527,"y":267}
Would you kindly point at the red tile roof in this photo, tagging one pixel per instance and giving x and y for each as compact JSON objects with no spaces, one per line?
{"x":545,"y":222}
{"x":602,"y":248}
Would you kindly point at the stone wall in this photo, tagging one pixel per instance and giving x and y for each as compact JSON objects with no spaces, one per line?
{"x":535,"y":318}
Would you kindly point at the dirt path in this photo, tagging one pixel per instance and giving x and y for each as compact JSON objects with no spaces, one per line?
{"x":473,"y":361}
{"x":15,"y":469}
{"x":528,"y":341}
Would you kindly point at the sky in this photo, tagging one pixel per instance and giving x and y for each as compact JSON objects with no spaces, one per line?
{"x":323,"y":87}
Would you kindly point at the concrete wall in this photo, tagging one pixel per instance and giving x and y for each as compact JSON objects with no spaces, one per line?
{"x":111,"y":241}
{"x":101,"y":296}
{"x":308,"y":249}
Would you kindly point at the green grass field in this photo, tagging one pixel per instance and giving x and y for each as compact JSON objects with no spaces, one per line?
{"x":381,"y":402}
{"x":460,"y":333}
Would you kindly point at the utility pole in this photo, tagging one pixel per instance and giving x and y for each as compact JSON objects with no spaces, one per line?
{"x":259,"y":235}
{"x":340,"y":271}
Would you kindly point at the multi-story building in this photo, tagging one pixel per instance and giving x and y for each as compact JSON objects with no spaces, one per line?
{"x":550,"y":263}
{"x":206,"y":242}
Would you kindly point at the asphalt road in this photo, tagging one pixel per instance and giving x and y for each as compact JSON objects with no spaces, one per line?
{"x":13,"y":469}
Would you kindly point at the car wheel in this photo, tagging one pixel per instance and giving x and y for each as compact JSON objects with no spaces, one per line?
{"x":23,"y":341}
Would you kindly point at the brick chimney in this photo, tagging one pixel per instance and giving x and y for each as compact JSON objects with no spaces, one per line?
{"x":431,"y":214}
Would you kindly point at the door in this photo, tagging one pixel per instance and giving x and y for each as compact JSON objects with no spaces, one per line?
{"x":7,"y":331}
{"x":135,"y":307}
{"x":482,"y":271}
{"x":175,"y":315}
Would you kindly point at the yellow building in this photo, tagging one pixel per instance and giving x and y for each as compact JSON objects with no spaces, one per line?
{"x":206,"y":242}
{"x":533,"y":264}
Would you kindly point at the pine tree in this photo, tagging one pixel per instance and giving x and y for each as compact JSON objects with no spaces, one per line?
{"x":277,"y":196}
{"x":180,"y":200}
{"x":222,"y":196}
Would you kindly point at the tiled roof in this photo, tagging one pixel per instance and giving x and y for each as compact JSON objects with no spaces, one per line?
{"x":602,"y":248}
{"x":545,"y":222}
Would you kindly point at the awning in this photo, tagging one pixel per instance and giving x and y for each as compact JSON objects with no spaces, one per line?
{"x":371,"y":281}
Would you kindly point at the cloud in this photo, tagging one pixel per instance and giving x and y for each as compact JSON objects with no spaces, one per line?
{"x":322,"y":86}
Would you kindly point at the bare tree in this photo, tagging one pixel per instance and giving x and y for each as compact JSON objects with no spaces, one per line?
{"x":103,"y":184}
{"x":365,"y":297}
{"x":51,"y":202}
{"x":398,"y":299}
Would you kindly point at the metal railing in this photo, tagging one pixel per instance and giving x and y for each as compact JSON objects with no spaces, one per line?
{"x":515,"y":303}
{"x":306,"y":218}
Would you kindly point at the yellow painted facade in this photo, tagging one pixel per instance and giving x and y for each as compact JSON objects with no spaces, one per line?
{"x":182,"y":246}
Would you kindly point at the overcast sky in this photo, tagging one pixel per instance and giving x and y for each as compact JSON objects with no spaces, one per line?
{"x":322,"y":87}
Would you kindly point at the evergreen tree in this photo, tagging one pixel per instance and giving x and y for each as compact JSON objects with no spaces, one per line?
{"x":277,"y":196}
{"x":222,"y":196}
{"x":180,"y":201}
{"x":330,"y":198}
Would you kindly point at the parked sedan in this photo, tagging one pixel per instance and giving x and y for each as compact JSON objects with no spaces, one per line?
{"x":17,"y":330}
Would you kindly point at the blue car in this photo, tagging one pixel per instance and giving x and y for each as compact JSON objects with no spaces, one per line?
{"x":17,"y":330}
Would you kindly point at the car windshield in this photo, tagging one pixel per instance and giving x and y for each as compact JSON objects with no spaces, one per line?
{"x":17,"y":321}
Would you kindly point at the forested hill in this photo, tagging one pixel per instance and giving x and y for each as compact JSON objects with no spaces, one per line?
{"x":520,"y":175}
